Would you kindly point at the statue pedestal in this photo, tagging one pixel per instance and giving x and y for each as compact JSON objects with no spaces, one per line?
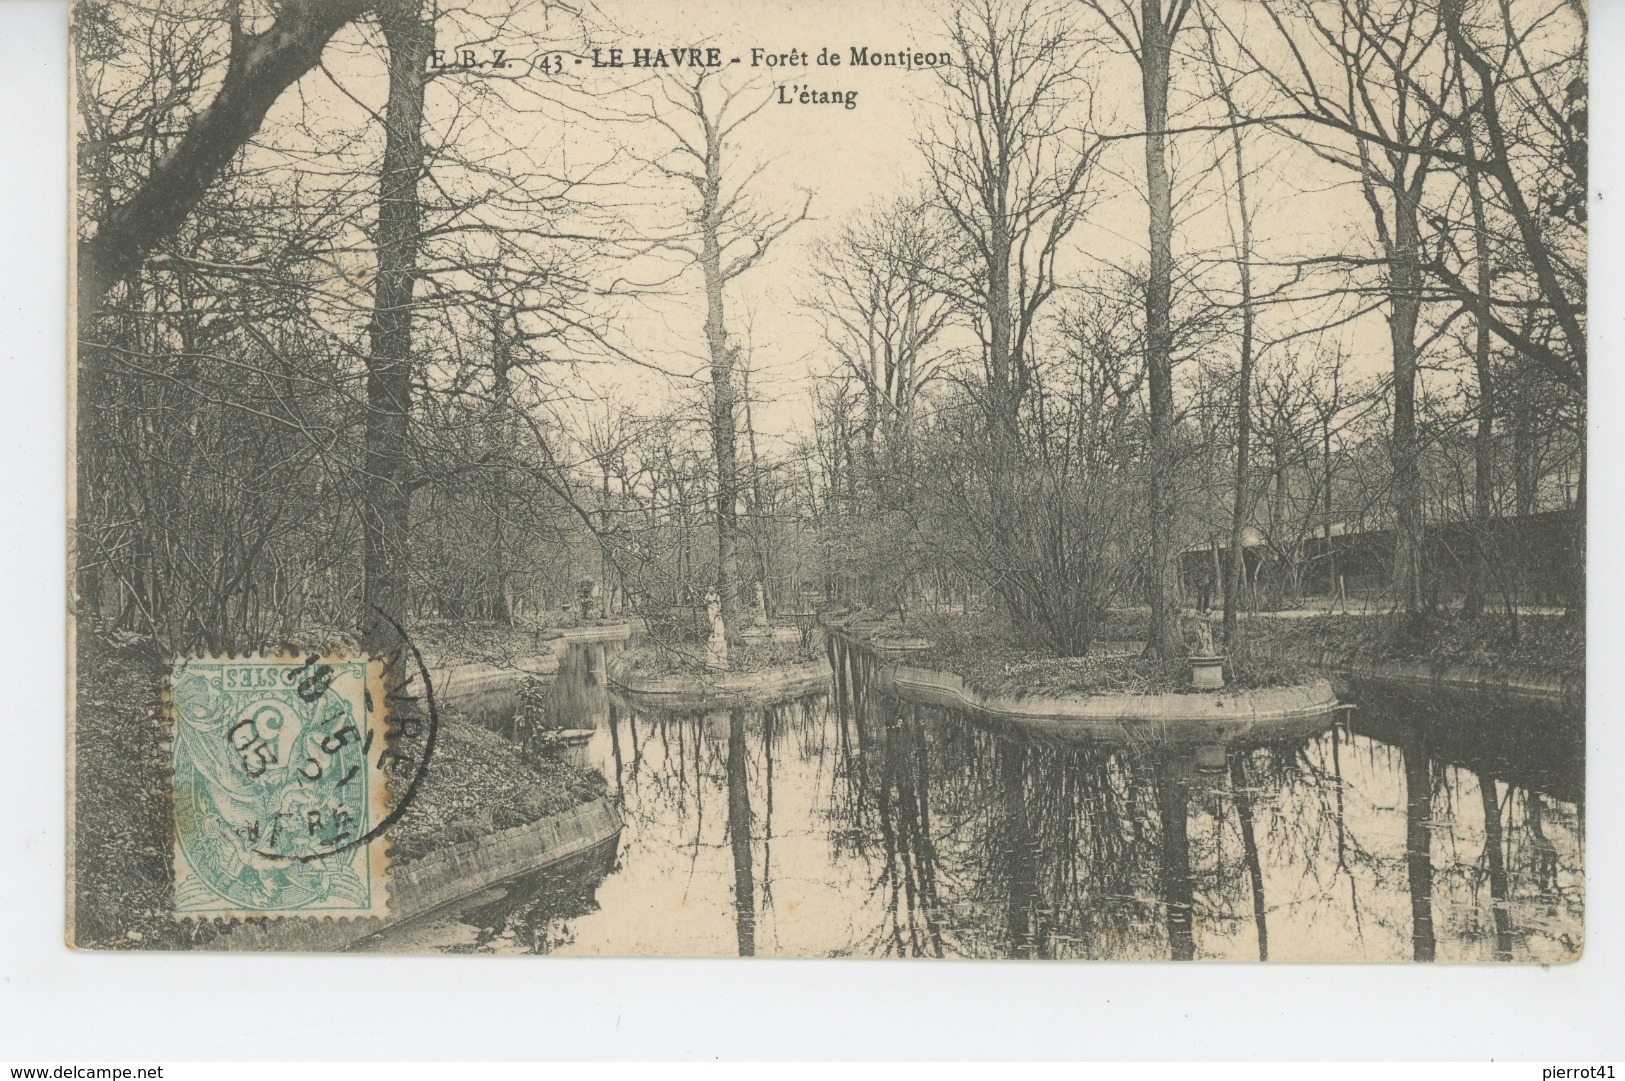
{"x":1207,"y":673}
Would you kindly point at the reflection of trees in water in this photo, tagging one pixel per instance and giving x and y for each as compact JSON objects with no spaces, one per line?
{"x":1400,"y":833}
{"x":580,"y":689}
{"x":673,"y":766}
{"x":1082,"y":849}
{"x":1509,"y":881}
{"x":739,"y":825}
{"x":1502,"y":769}
{"x":575,"y":697}
{"x":1333,"y":800}
{"x":893,"y":828}
{"x":987,"y":845}
{"x":1241,"y":792}
{"x":1495,"y":864}
{"x":985,"y":842}
{"x":1462,"y":862}
{"x":1419,"y":842}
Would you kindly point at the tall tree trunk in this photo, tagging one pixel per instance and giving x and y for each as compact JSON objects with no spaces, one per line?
{"x":1163,"y":636}
{"x":1404,"y":299}
{"x":1484,"y":436}
{"x":1004,"y":401}
{"x":1244,"y":396}
{"x":1520,"y":418}
{"x":759,"y":504}
{"x":1236,"y":575}
{"x":1326,"y":508}
{"x":386,"y":512}
{"x":723,"y":436}
{"x":1004,"y":409}
{"x":500,"y":603}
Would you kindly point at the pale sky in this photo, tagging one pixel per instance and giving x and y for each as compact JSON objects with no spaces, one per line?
{"x":848,"y":159}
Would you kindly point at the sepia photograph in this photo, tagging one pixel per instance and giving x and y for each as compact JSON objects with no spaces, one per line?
{"x":1095,"y":480}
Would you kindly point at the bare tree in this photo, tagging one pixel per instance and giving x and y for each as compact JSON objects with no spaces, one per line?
{"x":1520,"y":123}
{"x":727,"y":231}
{"x":881,"y":312}
{"x":1242,"y":241}
{"x":386,"y":516}
{"x":1531,"y":163}
{"x":260,"y":66}
{"x":1149,"y":37}
{"x":1010,"y":163}
{"x":1387,"y":59}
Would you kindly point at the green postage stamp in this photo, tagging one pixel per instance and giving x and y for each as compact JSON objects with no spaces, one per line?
{"x":279,"y":786}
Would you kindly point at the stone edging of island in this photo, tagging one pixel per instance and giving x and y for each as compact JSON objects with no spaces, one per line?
{"x":1565,"y":690}
{"x":1221,"y":716}
{"x":457,"y":870}
{"x":442,"y":876}
{"x":471,"y":686}
{"x":456,"y":684}
{"x":1462,"y":677}
{"x":773,"y":683}
{"x":1194,"y":717}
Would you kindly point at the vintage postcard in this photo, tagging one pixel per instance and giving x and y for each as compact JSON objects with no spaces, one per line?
{"x":1072,"y":479}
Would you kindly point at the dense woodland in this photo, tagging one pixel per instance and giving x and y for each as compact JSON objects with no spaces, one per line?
{"x":344,"y":329}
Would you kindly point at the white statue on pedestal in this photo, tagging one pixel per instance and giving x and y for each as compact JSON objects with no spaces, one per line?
{"x":716,"y":647}
{"x":758,"y":611}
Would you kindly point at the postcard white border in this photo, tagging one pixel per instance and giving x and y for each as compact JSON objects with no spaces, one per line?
{"x":61,"y":1006}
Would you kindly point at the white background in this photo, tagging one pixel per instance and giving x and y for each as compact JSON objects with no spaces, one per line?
{"x":60,"y":1006}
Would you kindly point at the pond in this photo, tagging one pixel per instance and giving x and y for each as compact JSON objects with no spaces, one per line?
{"x":1413,"y":826}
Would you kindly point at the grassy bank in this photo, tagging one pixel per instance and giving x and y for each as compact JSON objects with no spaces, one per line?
{"x":443,"y":642}
{"x":995,"y":657}
{"x":479,"y":783}
{"x":1546,"y":646}
{"x":648,"y":659}
{"x":476,"y":784}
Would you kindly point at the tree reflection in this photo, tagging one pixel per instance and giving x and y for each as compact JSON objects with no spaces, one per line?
{"x":1419,"y":842}
{"x":1242,"y":794}
{"x":739,"y":835}
{"x":1079,"y":849}
{"x":894,"y":828}
{"x":1043,"y":841}
{"x":1496,"y":865}
{"x":1178,"y":886}
{"x":885,"y":817}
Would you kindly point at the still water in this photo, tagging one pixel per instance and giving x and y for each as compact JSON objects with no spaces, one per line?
{"x":1418,"y":827}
